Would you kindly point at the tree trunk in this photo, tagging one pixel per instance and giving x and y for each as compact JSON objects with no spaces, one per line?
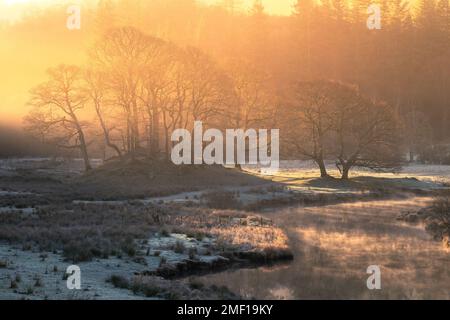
{"x":106,"y":133}
{"x":135,"y":127}
{"x":128,"y":140}
{"x":84,"y":151}
{"x":345,"y":172}
{"x":323,"y":168}
{"x":114,"y":147}
{"x":83,"y":145}
{"x":167,"y":143}
{"x":155,"y":133}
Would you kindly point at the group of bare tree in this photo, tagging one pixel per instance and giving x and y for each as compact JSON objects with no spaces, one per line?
{"x":141,"y":89}
{"x":405,"y":63}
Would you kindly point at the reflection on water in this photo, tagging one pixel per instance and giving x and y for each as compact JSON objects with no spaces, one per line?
{"x":334,"y":245}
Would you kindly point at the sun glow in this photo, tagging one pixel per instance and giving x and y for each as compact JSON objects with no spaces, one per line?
{"x":34,"y":2}
{"x":11,"y":2}
{"x":275,"y":7}
{"x":12,"y":10}
{"x":14,"y":2}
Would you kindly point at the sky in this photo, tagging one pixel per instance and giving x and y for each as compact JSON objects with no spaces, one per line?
{"x":27,"y":73}
{"x":276,"y":7}
{"x":13,"y":9}
{"x":20,"y":69}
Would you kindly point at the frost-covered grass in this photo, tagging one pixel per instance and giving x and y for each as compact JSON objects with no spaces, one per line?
{"x":235,"y":231}
{"x":34,"y":274}
{"x":304,"y":176}
{"x":68,"y":165}
{"x":252,"y":237}
{"x":81,"y":233}
{"x":124,"y":238}
{"x":149,"y":286}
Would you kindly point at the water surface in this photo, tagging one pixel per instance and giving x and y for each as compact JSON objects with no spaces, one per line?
{"x":333,"y":247}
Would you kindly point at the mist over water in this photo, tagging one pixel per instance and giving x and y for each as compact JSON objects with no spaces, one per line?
{"x":334,"y":245}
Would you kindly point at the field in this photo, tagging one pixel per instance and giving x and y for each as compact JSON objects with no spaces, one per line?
{"x":144,"y":231}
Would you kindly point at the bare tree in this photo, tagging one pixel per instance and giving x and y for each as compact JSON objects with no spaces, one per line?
{"x":330,"y":120}
{"x":97,"y":90}
{"x":306,"y":122}
{"x":206,"y":85}
{"x":417,"y":134}
{"x":124,"y":53}
{"x":156,"y":90}
{"x":56,"y":107}
{"x":366,"y":133}
{"x":251,"y":101}
{"x":252,"y":98}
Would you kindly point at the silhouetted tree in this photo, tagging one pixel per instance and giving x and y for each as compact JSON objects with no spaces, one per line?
{"x":57,"y":105}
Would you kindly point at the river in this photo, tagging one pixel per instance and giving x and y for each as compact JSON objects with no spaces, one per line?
{"x":333,"y":247}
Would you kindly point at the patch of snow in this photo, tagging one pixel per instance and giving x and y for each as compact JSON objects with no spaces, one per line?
{"x":50,"y":268}
{"x":4,"y":193}
{"x":30,"y":266}
{"x":26,"y":211}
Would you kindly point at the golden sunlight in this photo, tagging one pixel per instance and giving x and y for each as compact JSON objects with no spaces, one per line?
{"x":274,"y":7}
